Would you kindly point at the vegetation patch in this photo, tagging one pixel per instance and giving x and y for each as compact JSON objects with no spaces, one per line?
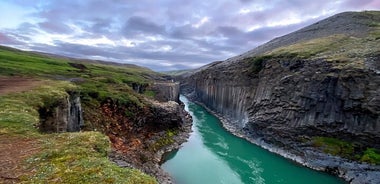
{"x":347,"y":150}
{"x":257,"y":63}
{"x":311,"y":48}
{"x":68,"y":157}
{"x":165,"y":140}
{"x":150,"y":93}
{"x":334,"y":146}
{"x":344,"y":51}
{"x":79,"y":158}
{"x":371,"y":155}
{"x":18,"y":111}
{"x":63,"y":158}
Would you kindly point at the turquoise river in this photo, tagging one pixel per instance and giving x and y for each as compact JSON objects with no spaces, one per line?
{"x":212,"y":155}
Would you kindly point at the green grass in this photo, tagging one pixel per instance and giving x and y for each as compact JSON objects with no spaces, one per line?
{"x":18,"y":111}
{"x":342,"y":50}
{"x":64,"y":158}
{"x":105,"y":80}
{"x":95,"y":81}
{"x":334,"y":146}
{"x":257,"y":63}
{"x":150,"y":93}
{"x":68,"y":157}
{"x":16,"y":62}
{"x":79,"y":158}
{"x":371,"y":155}
{"x":311,"y":48}
{"x":165,"y":140}
{"x":176,"y":72}
{"x":345,"y":149}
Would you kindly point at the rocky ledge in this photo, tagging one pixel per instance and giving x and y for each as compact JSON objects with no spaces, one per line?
{"x":149,"y":157}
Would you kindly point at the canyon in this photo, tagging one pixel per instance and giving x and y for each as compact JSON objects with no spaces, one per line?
{"x":320,"y":82}
{"x":311,"y":96}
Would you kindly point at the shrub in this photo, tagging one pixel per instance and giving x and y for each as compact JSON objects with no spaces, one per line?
{"x":334,"y":146}
{"x":371,"y":155}
{"x":257,"y":63}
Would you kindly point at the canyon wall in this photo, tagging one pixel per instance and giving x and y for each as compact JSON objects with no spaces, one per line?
{"x":322,"y":80}
{"x":293,"y":97}
{"x":166,"y":91}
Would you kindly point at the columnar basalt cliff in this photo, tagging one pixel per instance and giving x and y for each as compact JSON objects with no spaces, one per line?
{"x":321,"y":81}
{"x":166,"y":91}
{"x":64,"y":115}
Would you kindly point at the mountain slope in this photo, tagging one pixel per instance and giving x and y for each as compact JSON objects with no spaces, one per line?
{"x":347,"y":23}
{"x":312,"y":91}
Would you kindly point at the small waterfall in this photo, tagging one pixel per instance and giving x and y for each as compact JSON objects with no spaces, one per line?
{"x":63,"y":116}
{"x":74,"y":116}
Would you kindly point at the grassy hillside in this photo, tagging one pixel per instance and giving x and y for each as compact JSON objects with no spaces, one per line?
{"x":176,"y":72}
{"x":66,"y":157}
{"x":344,"y":50}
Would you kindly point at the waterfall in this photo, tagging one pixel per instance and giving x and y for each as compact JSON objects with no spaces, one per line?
{"x":75,"y":116}
{"x":64,"y":116}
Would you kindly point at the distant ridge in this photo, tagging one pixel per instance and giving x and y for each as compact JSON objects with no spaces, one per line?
{"x":348,"y":23}
{"x":79,"y":60}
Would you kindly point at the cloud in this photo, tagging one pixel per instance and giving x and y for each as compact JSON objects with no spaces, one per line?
{"x":162,"y":34}
{"x":8,"y":40}
{"x":55,"y":27}
{"x":141,"y":25}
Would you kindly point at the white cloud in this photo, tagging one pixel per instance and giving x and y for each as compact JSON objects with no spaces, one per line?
{"x":166,"y":48}
{"x":244,"y":11}
{"x":201,"y":22}
{"x":103,"y":40}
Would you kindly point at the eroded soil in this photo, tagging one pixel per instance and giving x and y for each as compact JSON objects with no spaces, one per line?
{"x":14,"y":149}
{"x":16,"y":84}
{"x":13,"y":152}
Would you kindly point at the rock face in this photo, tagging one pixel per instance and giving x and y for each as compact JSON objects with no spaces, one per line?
{"x":166,"y":91}
{"x":281,"y":100}
{"x":295,"y":93}
{"x":62,"y":116}
{"x":139,"y":141}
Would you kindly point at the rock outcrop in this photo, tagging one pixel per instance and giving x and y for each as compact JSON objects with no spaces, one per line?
{"x":281,"y":95}
{"x":139,"y":141}
{"x":166,"y":91}
{"x":64,"y":115}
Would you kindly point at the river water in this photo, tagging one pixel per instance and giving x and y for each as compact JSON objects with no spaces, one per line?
{"x":212,"y":156}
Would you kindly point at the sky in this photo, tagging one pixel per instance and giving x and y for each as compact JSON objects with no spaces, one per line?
{"x":162,"y":35}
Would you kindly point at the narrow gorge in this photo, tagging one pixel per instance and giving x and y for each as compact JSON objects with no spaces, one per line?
{"x":318,"y":83}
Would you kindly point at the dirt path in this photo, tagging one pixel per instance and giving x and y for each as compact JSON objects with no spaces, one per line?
{"x":16,"y":84}
{"x":13,"y":152}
